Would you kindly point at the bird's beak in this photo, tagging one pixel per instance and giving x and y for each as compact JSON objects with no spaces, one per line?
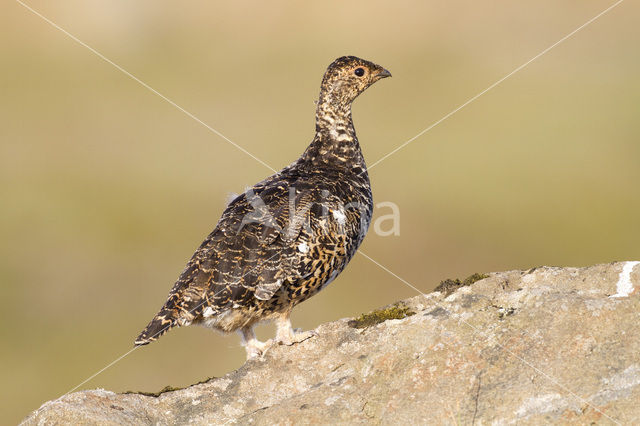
{"x":382,"y":74}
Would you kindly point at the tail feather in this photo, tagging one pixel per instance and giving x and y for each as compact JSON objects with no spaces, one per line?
{"x":164,"y":321}
{"x":178,"y":310}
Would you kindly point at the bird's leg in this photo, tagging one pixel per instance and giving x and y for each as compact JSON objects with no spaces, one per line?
{"x":286,"y":335}
{"x":252,"y":345}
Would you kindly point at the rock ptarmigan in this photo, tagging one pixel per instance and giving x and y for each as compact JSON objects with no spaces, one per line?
{"x":287,"y":237}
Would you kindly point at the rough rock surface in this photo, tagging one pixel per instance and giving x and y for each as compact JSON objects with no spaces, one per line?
{"x":528,"y":347}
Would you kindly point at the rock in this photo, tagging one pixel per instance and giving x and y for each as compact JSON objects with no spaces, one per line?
{"x":528,"y":347}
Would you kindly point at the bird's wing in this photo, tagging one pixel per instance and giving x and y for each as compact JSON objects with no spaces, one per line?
{"x":250,"y":253}
{"x":256,"y":255}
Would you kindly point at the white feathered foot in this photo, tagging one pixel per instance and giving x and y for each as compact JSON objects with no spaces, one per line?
{"x":252,"y":345}
{"x":285,"y":333}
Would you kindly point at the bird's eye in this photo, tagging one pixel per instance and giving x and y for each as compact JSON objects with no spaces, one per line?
{"x":359,"y":72}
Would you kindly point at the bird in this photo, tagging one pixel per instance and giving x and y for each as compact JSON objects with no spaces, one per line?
{"x":287,"y":237}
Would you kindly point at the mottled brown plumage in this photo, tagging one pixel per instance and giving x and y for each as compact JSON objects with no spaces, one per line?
{"x":288,"y":236}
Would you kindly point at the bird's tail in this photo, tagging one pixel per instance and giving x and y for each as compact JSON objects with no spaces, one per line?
{"x":164,"y":321}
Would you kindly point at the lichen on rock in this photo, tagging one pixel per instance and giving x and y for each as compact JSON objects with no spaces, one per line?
{"x":396,"y":311}
{"x":449,"y":285}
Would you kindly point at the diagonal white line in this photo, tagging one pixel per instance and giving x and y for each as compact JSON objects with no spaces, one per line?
{"x":495,"y":84}
{"x":477,"y":330}
{"x":373,"y":164}
{"x":145,"y":85}
{"x":115,"y":361}
{"x":158,"y":332}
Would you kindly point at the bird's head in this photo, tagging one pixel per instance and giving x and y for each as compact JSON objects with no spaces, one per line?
{"x":347,"y":77}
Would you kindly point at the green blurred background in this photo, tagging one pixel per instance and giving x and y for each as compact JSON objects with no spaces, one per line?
{"x":107,"y":189}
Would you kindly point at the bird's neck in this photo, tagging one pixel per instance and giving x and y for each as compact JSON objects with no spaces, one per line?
{"x":335,"y":142}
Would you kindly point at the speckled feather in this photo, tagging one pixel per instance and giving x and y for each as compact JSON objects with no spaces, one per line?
{"x":288,"y":236}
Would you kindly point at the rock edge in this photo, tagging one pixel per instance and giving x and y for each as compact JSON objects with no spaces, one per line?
{"x":545,"y":345}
